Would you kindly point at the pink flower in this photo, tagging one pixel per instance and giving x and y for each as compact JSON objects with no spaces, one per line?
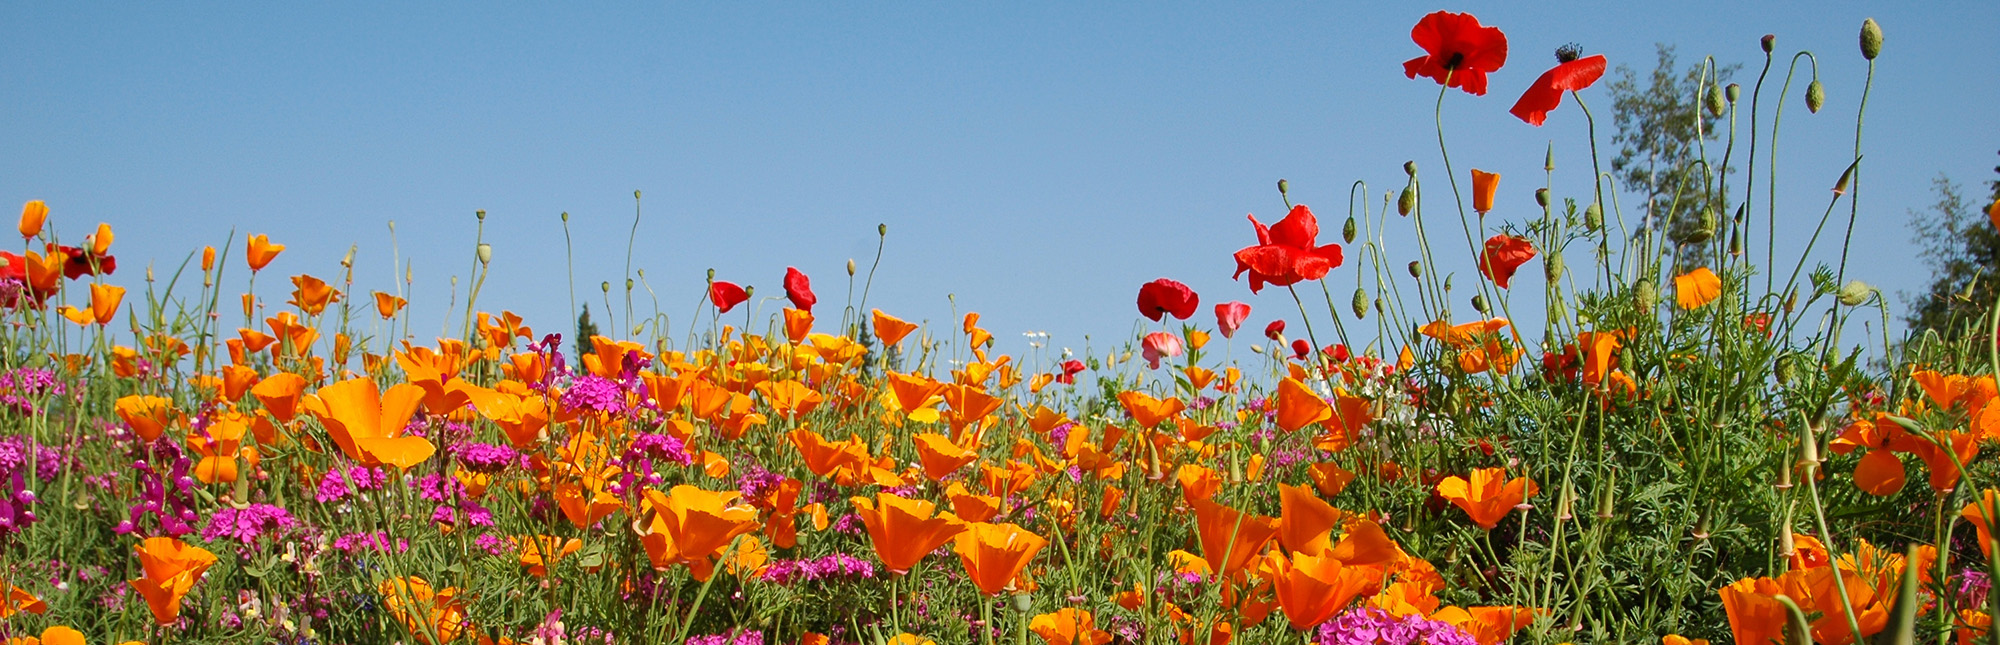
{"x":1159,"y":345}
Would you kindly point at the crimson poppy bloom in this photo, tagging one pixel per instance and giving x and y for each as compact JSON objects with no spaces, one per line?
{"x":1070,"y":368}
{"x":1229,"y":317}
{"x":1570,"y":75}
{"x":726,"y":295}
{"x":1458,"y":51}
{"x":1301,"y":349}
{"x":1287,"y":252}
{"x":798,"y":288}
{"x":1275,"y":330}
{"x":1503,"y":255}
{"x":79,"y":262}
{"x":1165,"y":296}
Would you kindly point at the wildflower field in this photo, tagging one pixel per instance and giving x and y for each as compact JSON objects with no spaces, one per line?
{"x":1681,"y":448}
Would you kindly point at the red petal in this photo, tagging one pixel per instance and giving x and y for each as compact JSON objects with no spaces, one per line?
{"x":1298,"y":230}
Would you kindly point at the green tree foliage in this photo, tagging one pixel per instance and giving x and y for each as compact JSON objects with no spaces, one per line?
{"x":1662,"y":132}
{"x":1962,"y":248}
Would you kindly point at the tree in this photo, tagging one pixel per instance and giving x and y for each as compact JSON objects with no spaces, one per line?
{"x":1962,"y":248}
{"x":1661,"y":132}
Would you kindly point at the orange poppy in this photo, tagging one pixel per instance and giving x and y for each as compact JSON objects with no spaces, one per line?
{"x":940,"y":456}
{"x":1696,"y":288}
{"x":1488,"y":625}
{"x":388,"y":304}
{"x":1148,"y":411}
{"x":104,"y":300}
{"x":368,"y":424}
{"x":692,"y":526}
{"x":1068,"y":626}
{"x":904,"y":530}
{"x":219,"y":445}
{"x":149,"y":416}
{"x":259,"y":251}
{"x":1329,"y":478}
{"x":798,"y":325}
{"x":1489,"y":496}
{"x":790,"y":399}
{"x":890,"y":329}
{"x":1312,"y":589}
{"x":970,"y":506}
{"x":311,"y":295}
{"x":1305,"y":523}
{"x":995,"y":554}
{"x":33,"y":214}
{"x":19,"y":600}
{"x":1980,"y":513}
{"x":280,"y":393}
{"x":170,"y":568}
{"x":1229,"y":537}
{"x":423,"y":610}
{"x":1299,"y":406}
{"x":537,"y":552}
{"x":1484,"y":186}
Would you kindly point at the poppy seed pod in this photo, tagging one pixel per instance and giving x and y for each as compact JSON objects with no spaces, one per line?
{"x":1784,"y":479}
{"x":1410,"y":168}
{"x":1712,"y":100}
{"x":565,"y":217}
{"x":1360,"y":303}
{"x":882,"y":229}
{"x":1348,"y":230}
{"x":1871,"y":39}
{"x":1284,"y":187}
{"x":484,"y":251}
{"x":1770,"y":42}
{"x":711,"y":275}
{"x":481,"y":214}
{"x":1815,"y":96}
{"x":628,"y":285}
{"x":606,"y":286}
{"x":1416,"y":269}
{"x":1855,"y":292}
{"x":1542,"y":197}
{"x":1024,"y":603}
{"x":1593,"y":217}
{"x":1479,"y":304}
{"x":1732,"y":92}
{"x":1407,"y":202}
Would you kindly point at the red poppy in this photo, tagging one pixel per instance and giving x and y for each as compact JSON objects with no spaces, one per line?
{"x":1165,"y":296}
{"x":1301,"y":349}
{"x":1275,"y":330}
{"x":1503,"y":255}
{"x":1287,"y":252}
{"x":1229,"y":317}
{"x":82,"y":263}
{"x":1546,"y":93}
{"x":1070,"y":368}
{"x":1457,"y":49}
{"x":726,"y":295}
{"x":799,"y":289}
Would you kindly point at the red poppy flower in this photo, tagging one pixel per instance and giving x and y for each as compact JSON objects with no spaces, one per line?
{"x":799,"y":289}
{"x":1165,"y":296}
{"x":1547,"y":92}
{"x":1503,"y":255}
{"x":1229,"y":317}
{"x":1301,"y":349}
{"x":1070,"y":368}
{"x":726,"y":295}
{"x":1275,"y":330}
{"x":82,"y":262}
{"x":1287,"y":252}
{"x":1458,"y":49}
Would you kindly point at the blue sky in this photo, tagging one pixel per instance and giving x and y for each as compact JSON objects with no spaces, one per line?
{"x":1037,"y":161}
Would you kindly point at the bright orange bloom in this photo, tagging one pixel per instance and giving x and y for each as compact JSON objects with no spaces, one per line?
{"x":104,"y":300}
{"x":1329,"y":478}
{"x":171,"y":567}
{"x":790,"y":399}
{"x":260,"y":251}
{"x":311,"y":295}
{"x":1312,"y":589}
{"x":32,"y":215}
{"x":1980,"y":513}
{"x":1068,"y":626}
{"x":1489,"y":496}
{"x":1306,"y":524}
{"x":367,"y":424}
{"x":387,"y":304}
{"x":940,"y":456}
{"x":1229,"y":537}
{"x":904,"y":530}
{"x":970,"y":506}
{"x":890,"y":329}
{"x":1299,"y":406}
{"x":280,"y":394}
{"x":422,"y":610}
{"x":1484,"y":186}
{"x":692,"y":526}
{"x":19,"y":600}
{"x":1696,"y":288}
{"x":1677,"y":639}
{"x":1488,"y":625}
{"x":995,"y":554}
{"x":537,"y":552}
{"x":219,"y":445}
{"x":149,"y":416}
{"x":100,"y":242}
{"x":1148,"y":411}
{"x":798,"y":325}
{"x":207,"y":258}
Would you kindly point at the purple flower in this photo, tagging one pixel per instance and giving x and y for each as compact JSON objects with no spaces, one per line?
{"x":1371,"y":626}
{"x":247,"y":524}
{"x":489,"y":458}
{"x":595,"y":393}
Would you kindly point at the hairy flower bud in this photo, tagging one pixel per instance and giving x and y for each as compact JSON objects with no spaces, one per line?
{"x":1360,"y":303}
{"x":1552,"y":266}
{"x":1855,"y":292}
{"x":1410,"y":168}
{"x":1407,"y":202}
{"x":1348,"y":230}
{"x":1712,"y":101}
{"x":1732,"y":92}
{"x":1646,"y":295}
{"x":1871,"y":39}
{"x":1416,"y":269}
{"x":1815,"y":96}
{"x":1284,"y":187}
{"x":1593,"y":217}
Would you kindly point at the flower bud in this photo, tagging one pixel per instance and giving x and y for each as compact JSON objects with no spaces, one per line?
{"x":1712,"y":100}
{"x":1410,"y":168}
{"x":1552,"y":267}
{"x":1855,"y":292}
{"x":1416,"y":269}
{"x":1348,"y":230}
{"x":481,"y":214}
{"x":1871,"y":39}
{"x":1284,"y":187}
{"x":1704,"y":227}
{"x":1808,"y":447}
{"x":1735,"y":242}
{"x":1815,"y":96}
{"x":1549,"y":159}
{"x":1479,"y":304}
{"x":1785,"y":368}
{"x":485,"y":252}
{"x":1542,"y":197}
{"x":882,"y":229}
{"x":629,"y":284}
{"x":1646,"y":295}
{"x":635,"y":194}
{"x":850,"y":267}
{"x":711,"y":275}
{"x":606,"y":286}
{"x":565,"y":217}
{"x":1360,"y":303}
{"x":1593,"y":217}
{"x":1791,"y":300}
{"x":1447,"y":282}
{"x":1770,"y":42}
{"x":1732,"y":92}
{"x":1023,"y":602}
{"x":1607,"y":504}
{"x":1840,"y":187}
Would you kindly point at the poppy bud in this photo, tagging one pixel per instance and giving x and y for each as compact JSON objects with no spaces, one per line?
{"x":1416,"y":269}
{"x":1855,"y":292}
{"x":1871,"y":39}
{"x":1284,"y":187}
{"x":1786,"y":368}
{"x":1815,"y":96}
{"x":711,"y":275}
{"x":850,"y":267}
{"x":635,"y":194}
{"x":882,"y":229}
{"x":1712,"y":100}
{"x":1256,"y":349}
{"x":1565,"y":504}
{"x":1410,"y":168}
{"x":1024,"y":603}
{"x":1840,"y":187}
{"x":1704,"y":227}
{"x":1360,"y":303}
{"x":1646,"y":295}
{"x":1593,"y":217}
{"x":1275,"y":330}
{"x":1542,"y":197}
{"x":1735,"y":242}
{"x":1380,"y":305}
{"x":1447,"y":282}
{"x":1479,"y":304}
{"x":606,"y":286}
{"x":1607,"y":504}
{"x":1791,"y":300}
{"x":1348,"y":230}
{"x":1407,"y":202}
{"x":1770,"y":42}
{"x":1808,"y":448}
{"x":628,"y":285}
{"x":208,"y":258}
{"x":565,"y":217}
{"x":1549,"y":159}
{"x":1552,"y":266}
{"x":1301,"y":348}
{"x":1732,"y":92}
{"x":481,"y":214}
{"x":484,"y":250}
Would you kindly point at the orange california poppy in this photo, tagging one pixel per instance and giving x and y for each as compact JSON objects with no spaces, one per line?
{"x":219,"y":445}
{"x":1068,"y":626}
{"x":1148,"y":411}
{"x":1306,"y":523}
{"x":940,"y":456}
{"x":311,"y":295}
{"x":1229,"y":537}
{"x":692,"y":526}
{"x":995,"y":554}
{"x":54,"y":635}
{"x":970,"y":506}
{"x":1488,"y":625}
{"x":149,"y":416}
{"x":537,"y":552}
{"x":798,"y":325}
{"x":790,"y":399}
{"x":891,"y":329}
{"x":260,"y":251}
{"x":904,"y":530}
{"x":100,"y":242}
{"x":1484,"y":186}
{"x":1299,"y":406}
{"x":170,"y":568}
{"x":104,"y":301}
{"x":422,"y":610}
{"x":368,"y":424}
{"x":1329,"y":478}
{"x":968,"y":405}
{"x":1312,"y":589}
{"x":19,"y":600}
{"x":1696,"y":288}
{"x":388,"y":304}
{"x":1755,"y":615}
{"x":32,"y":215}
{"x":1489,"y":496}
{"x":280,"y":393}
{"x":1978,"y":513}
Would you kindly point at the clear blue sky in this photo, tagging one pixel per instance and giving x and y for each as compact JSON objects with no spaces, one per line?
{"x":1038,"y":160}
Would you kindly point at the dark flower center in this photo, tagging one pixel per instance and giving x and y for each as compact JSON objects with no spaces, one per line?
{"x":1569,"y":52}
{"x":1457,"y":58}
